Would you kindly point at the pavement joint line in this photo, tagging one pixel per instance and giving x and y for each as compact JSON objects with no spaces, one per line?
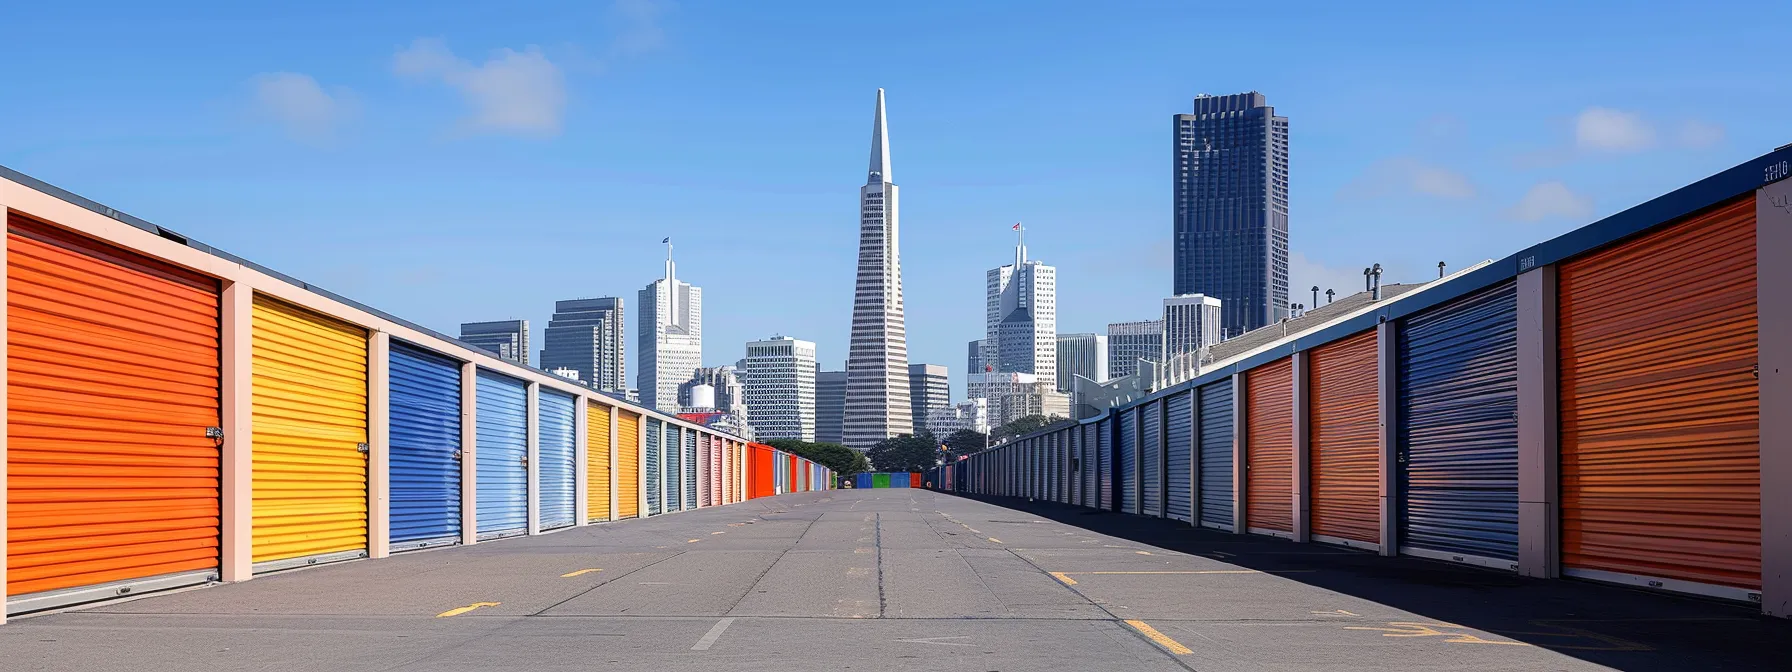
{"x":715,"y":633}
{"x":1161,"y":639}
{"x":606,"y":582}
{"x":883,"y":600}
{"x":768,"y":567}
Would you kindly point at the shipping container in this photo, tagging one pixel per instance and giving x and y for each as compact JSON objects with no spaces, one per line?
{"x":556,"y":450}
{"x":423,"y":417}
{"x":1269,"y":449}
{"x":310,"y":437}
{"x":628,"y":465}
{"x":1344,"y":417}
{"x":501,"y":458}
{"x":598,"y":454}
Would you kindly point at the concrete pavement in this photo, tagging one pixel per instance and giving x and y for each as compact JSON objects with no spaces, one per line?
{"x":895,"y":580}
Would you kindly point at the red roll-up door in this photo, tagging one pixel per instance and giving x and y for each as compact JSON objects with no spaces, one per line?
{"x":1345,"y":422}
{"x":1269,"y":447}
{"x":113,"y":375}
{"x":1660,"y":432}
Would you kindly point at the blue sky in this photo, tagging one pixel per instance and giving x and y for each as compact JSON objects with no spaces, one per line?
{"x":461,"y":161}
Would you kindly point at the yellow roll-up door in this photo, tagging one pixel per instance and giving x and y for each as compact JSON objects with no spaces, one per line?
{"x":310,"y":404}
{"x":597,"y":460}
{"x":628,"y":465}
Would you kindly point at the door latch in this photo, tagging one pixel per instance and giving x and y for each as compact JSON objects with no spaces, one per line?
{"x":214,"y":432}
{"x":524,"y":460}
{"x":361,"y":448}
{"x":457,"y":453}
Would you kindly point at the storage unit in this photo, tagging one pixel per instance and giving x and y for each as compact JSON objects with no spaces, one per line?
{"x":900,"y":480}
{"x":1104,"y":449}
{"x":1269,"y":448}
{"x":1179,"y":461}
{"x":1129,"y":460}
{"x":761,"y":471}
{"x":689,"y":500}
{"x":1151,"y":459}
{"x":501,"y":459}
{"x":655,"y":467}
{"x":675,"y":466}
{"x":1092,"y":467}
{"x":1344,"y":448}
{"x":310,"y":437}
{"x":862,"y":481}
{"x":1216,"y":455}
{"x":423,"y":435}
{"x":1456,"y":430}
{"x":556,"y":451}
{"x":628,"y":464}
{"x":597,"y":462}
{"x":112,"y":364}
{"x":880,"y":480}
{"x":1660,"y":434}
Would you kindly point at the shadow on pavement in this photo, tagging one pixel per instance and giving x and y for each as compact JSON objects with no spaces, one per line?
{"x":1623,"y":628}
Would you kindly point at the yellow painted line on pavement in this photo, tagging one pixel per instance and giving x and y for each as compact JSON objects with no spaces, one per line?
{"x":461,"y":610}
{"x":569,"y":575}
{"x":1064,"y":577}
{"x":995,"y":540}
{"x":1143,"y":552}
{"x":715,"y":533}
{"x":693,"y":541}
{"x":1162,"y":639}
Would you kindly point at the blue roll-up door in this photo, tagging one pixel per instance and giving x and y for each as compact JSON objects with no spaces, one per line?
{"x":501,"y":459}
{"x":424,"y":424}
{"x":1104,"y":447}
{"x":1178,"y":456}
{"x":862,"y":481}
{"x":1216,"y":454}
{"x":1457,"y":429}
{"x":656,"y":462}
{"x":690,"y":469}
{"x":1129,"y":481}
{"x":1151,"y":479}
{"x":556,"y":474}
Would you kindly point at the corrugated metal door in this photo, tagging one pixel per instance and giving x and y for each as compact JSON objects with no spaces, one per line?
{"x":628,"y":464}
{"x":690,"y":468}
{"x":1216,"y":455}
{"x":423,"y":410}
{"x":597,"y":462}
{"x":1129,"y":440}
{"x":1660,"y":432}
{"x":1269,"y":447}
{"x":1151,"y":456}
{"x":656,"y":461}
{"x":880,"y":480}
{"x":1178,"y":455}
{"x":501,"y":458}
{"x":557,"y":476}
{"x":1074,"y":442}
{"x":675,"y":467}
{"x":705,"y":494}
{"x":1345,"y":446}
{"x":104,"y":349}
{"x":1104,"y":447}
{"x":1456,"y":426}
{"x":1091,"y":467}
{"x":310,"y":415}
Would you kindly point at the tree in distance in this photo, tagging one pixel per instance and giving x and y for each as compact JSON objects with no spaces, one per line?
{"x":840,"y":459}
{"x":1025,"y":425}
{"x":905,"y":453}
{"x":964,"y":442}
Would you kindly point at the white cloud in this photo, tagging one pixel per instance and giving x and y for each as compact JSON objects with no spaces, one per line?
{"x":1441,"y":182}
{"x":1403,"y":175}
{"x":1603,"y":129}
{"x":1305,"y":273}
{"x":641,"y":31}
{"x":298,"y":103}
{"x":1695,"y":134}
{"x":1549,"y":200}
{"x":518,"y":92}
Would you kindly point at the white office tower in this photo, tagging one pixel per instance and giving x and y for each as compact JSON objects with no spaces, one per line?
{"x":1191,"y":322}
{"x":1021,"y":317}
{"x":971,"y":414}
{"x":669,"y":337}
{"x":1083,"y":355}
{"x":1130,"y":342}
{"x":877,"y":403}
{"x":1011,"y":396}
{"x":781,"y":388}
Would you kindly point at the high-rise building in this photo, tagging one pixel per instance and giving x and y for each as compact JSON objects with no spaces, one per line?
{"x":1190,"y":323}
{"x":971,"y":414}
{"x":1021,"y":316}
{"x":830,"y":405}
{"x":1129,"y":342}
{"x":929,"y":387}
{"x":877,"y":405}
{"x":1231,"y":208}
{"x":508,"y":338}
{"x":974,"y":361}
{"x":1011,"y":396}
{"x":781,"y":388}
{"x":669,"y":337}
{"x":730,"y":395}
{"x":588,"y":336}
{"x":1083,"y":355}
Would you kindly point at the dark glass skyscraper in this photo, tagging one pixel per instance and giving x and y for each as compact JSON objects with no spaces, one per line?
{"x":1231,"y":227}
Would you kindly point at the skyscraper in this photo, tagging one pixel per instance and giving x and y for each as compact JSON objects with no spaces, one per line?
{"x":1190,"y":323}
{"x":1129,"y":342}
{"x":877,"y":405}
{"x":1083,"y":355}
{"x":929,"y":387}
{"x":1231,"y":208}
{"x":830,"y":405}
{"x":1021,"y":316}
{"x":508,"y":338}
{"x":587,"y":335}
{"x":973,"y":362}
{"x":730,"y":393}
{"x":781,"y":388}
{"x":669,"y":337}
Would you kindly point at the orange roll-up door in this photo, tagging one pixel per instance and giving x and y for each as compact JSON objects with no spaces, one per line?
{"x":1660,"y":433}
{"x":1269,"y":447}
{"x":628,"y":464}
{"x":1345,"y":421}
{"x":597,"y":461}
{"x":113,"y":375}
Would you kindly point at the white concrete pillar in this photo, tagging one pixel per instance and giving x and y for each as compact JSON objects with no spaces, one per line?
{"x":469,"y":453}
{"x":1303,"y":452}
{"x":1240,"y":449}
{"x":1539,"y":460}
{"x":581,"y":498}
{"x":236,"y":417}
{"x":532,"y":459}
{"x":1773,"y":309}
{"x":1386,"y":367}
{"x":379,"y":448}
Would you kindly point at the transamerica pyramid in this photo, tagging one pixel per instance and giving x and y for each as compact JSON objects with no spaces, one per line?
{"x":877,"y":400}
